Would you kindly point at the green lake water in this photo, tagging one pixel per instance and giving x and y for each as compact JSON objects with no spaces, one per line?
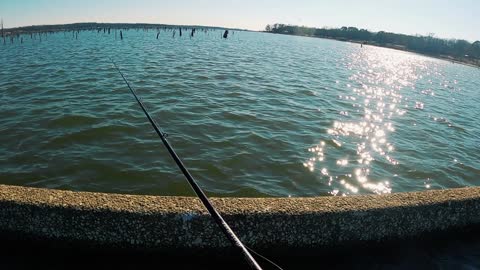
{"x":253,"y":115}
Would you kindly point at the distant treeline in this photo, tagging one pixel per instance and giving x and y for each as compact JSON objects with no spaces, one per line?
{"x":93,"y":25}
{"x":458,"y":49}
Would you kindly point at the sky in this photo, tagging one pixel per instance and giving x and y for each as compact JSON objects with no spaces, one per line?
{"x":458,"y":19}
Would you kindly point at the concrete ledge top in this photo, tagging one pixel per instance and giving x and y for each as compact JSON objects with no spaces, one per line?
{"x":182,"y":222}
{"x":174,"y":204}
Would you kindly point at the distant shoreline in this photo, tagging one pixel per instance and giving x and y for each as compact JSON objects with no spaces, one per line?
{"x":453,"y":50}
{"x":392,"y":46}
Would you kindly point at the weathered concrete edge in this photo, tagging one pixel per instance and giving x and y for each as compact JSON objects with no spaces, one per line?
{"x":181,"y":222}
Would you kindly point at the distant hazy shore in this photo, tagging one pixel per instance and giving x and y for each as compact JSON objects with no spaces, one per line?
{"x":400,"y":48}
{"x":453,"y":50}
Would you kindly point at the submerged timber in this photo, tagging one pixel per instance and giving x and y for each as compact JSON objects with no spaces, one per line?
{"x":93,"y":26}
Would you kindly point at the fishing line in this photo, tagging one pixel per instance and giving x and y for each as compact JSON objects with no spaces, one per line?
{"x":196,"y":188}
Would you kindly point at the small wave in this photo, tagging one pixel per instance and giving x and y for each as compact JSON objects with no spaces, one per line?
{"x":202,"y":77}
{"x":448,"y":123}
{"x":92,"y":135}
{"x":307,"y":92}
{"x":474,"y":171}
{"x":239,"y":117}
{"x":68,"y":121}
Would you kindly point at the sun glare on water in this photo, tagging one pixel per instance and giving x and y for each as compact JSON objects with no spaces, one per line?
{"x":376,"y":93}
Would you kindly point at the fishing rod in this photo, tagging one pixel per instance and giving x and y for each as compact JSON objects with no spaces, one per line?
{"x":201,"y":195}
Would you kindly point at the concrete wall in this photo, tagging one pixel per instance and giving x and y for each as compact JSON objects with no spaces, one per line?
{"x":181,"y":222}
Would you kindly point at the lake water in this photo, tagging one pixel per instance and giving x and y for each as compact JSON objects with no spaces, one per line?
{"x":254,"y":115}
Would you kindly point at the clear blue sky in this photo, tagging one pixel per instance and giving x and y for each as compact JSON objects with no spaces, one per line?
{"x":445,"y":18}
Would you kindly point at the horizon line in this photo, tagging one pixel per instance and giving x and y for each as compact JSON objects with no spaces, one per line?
{"x":234,"y":28}
{"x":167,"y":24}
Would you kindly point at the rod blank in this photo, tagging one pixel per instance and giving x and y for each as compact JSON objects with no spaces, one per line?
{"x":196,"y":188}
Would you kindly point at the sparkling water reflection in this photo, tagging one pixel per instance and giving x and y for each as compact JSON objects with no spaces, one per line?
{"x":375,"y":95}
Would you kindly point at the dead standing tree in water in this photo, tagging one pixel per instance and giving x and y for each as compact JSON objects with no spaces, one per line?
{"x":42,"y":34}
{"x":3,"y":35}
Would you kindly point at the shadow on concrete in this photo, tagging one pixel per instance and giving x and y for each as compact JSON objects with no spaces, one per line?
{"x":459,"y":249}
